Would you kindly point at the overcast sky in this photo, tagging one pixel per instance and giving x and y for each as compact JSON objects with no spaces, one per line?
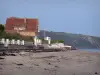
{"x":72,"y":16}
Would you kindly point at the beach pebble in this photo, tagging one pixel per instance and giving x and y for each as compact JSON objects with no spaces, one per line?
{"x":96,"y":73}
{"x":19,"y":64}
{"x":49,"y":63}
{"x":36,"y":64}
{"x":45,"y":69}
{"x":56,"y":66}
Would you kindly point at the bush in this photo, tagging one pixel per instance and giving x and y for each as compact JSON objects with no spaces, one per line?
{"x":57,"y":41}
{"x":15,"y":36}
{"x":2,"y":28}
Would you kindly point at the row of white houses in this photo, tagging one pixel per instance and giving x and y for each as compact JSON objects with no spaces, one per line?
{"x":13,"y":41}
{"x":37,"y":41}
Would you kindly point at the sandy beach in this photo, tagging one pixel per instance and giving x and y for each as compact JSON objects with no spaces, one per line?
{"x":52,"y":63}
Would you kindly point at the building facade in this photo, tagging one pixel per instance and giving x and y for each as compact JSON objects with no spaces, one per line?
{"x":22,"y":26}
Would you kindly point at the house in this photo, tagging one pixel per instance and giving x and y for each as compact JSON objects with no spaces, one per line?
{"x":22,"y":26}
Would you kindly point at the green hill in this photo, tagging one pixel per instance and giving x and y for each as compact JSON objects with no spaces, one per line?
{"x":77,"y":40}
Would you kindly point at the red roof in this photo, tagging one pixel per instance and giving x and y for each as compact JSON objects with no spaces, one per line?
{"x":30,"y":24}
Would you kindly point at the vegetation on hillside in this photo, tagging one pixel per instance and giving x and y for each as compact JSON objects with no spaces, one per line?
{"x":76,"y":40}
{"x":57,"y":41}
{"x":2,"y":28}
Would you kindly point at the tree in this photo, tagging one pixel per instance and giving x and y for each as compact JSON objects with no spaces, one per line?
{"x":57,"y":41}
{"x":2,"y":28}
{"x":61,"y":41}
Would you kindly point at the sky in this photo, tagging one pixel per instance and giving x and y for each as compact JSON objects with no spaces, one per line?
{"x":72,"y":16}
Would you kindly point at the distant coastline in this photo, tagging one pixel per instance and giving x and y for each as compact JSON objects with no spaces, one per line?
{"x":91,"y":49}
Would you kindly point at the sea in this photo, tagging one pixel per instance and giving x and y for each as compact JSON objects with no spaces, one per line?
{"x":91,"y":50}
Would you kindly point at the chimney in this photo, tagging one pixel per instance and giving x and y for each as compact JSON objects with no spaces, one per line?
{"x":25,"y":22}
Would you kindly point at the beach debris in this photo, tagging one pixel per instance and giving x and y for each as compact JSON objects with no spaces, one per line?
{"x":49,"y":57}
{"x":36,"y":64}
{"x":96,"y":72}
{"x":1,"y":58}
{"x":2,"y":54}
{"x":49,"y":63}
{"x":58,"y":60}
{"x":56,"y":66}
{"x":7,"y":54}
{"x":20,"y":64}
{"x":1,"y":63}
{"x":13,"y":54}
{"x":45,"y":69}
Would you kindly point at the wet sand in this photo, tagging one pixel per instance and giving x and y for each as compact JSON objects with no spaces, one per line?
{"x":52,"y":63}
